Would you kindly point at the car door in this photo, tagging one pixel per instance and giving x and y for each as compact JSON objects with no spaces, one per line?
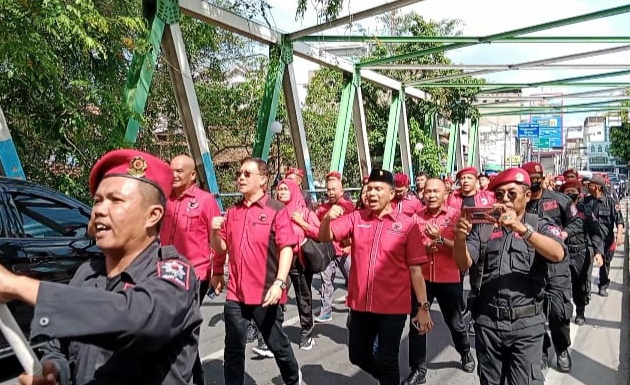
{"x":55,"y":233}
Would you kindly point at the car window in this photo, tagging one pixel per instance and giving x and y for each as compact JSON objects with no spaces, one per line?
{"x":44,"y":217}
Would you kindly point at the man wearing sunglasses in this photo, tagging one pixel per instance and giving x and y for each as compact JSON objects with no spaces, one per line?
{"x":513,"y":253}
{"x":558,"y":306}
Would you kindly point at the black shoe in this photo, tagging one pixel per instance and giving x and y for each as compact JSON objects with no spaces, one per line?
{"x":564,"y":362}
{"x":416,"y":377}
{"x":580,"y":320}
{"x":468,"y":362}
{"x":252,"y":333}
{"x":544,"y":364}
{"x":603,"y":292}
{"x":471,"y":328}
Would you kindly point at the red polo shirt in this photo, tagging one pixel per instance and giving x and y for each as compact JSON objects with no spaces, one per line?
{"x":382,"y":251}
{"x":408,"y":205}
{"x":441,"y":267}
{"x":347,"y":207}
{"x":186,"y":226}
{"x":254,"y":236}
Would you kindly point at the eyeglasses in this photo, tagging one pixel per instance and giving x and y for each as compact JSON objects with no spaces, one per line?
{"x":246,"y":174}
{"x":511,"y":194}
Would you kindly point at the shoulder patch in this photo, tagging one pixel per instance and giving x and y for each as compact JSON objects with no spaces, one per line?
{"x":555,"y":231}
{"x":573,"y":210}
{"x":175,"y":271}
{"x":617,"y":207}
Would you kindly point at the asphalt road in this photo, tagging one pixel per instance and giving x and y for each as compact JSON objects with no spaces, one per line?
{"x":597,"y":355}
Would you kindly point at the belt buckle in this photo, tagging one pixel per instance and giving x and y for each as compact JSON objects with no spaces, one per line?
{"x":504,"y":313}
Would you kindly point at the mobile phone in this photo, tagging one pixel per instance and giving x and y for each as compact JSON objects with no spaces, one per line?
{"x":482,"y":215}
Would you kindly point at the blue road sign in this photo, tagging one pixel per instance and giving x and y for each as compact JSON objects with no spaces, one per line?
{"x":550,"y":127}
{"x":528,"y":131}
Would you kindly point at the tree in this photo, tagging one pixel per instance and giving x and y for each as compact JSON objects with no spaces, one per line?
{"x":620,"y":136}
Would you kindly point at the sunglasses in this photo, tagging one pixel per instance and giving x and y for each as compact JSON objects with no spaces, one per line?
{"x":246,"y":174}
{"x":511,"y":194}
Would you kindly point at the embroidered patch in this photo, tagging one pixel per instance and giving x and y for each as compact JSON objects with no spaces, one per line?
{"x":555,"y":231}
{"x":175,"y":271}
{"x":519,"y":177}
{"x":193,"y":204}
{"x":617,"y":207}
{"x":538,"y":168}
{"x":397,"y":226}
{"x":137,"y":167}
{"x":496,"y":235}
{"x":550,"y":205}
{"x":484,"y":201}
{"x":573,"y":210}
{"x":262,"y":217}
{"x":128,"y":285}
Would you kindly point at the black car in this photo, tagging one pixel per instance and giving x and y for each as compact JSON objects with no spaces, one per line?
{"x":43,"y":234}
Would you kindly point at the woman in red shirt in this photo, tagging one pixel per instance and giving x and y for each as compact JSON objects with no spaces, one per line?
{"x":305,"y":225}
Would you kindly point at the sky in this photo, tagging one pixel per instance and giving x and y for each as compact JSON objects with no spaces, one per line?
{"x":486,"y":17}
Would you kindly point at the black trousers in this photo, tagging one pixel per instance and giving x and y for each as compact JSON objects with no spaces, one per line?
{"x":559,"y":310}
{"x":449,"y":296}
{"x":197,"y":371}
{"x":302,"y":280}
{"x":604,"y":270}
{"x":509,"y":357}
{"x":269,"y":321}
{"x":580,"y":276}
{"x":363,"y":330}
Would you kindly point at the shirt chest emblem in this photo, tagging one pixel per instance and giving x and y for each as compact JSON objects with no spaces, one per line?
{"x":397,"y":226}
{"x":193,"y":204}
{"x":550,"y":205}
{"x":263,"y":217}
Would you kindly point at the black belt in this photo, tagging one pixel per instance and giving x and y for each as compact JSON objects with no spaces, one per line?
{"x":574,"y":248}
{"x":504,"y":313}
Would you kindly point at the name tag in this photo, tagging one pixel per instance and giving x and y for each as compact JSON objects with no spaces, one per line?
{"x":550,"y":205}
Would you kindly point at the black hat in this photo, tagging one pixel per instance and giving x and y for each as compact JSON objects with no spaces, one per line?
{"x":378,"y":175}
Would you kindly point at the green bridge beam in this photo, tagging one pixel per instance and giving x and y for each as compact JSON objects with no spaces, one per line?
{"x":344,"y":121}
{"x":512,"y":86}
{"x":464,"y":39}
{"x":576,"y":111}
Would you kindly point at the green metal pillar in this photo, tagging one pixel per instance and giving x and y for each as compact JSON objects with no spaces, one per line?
{"x":473,"y":144}
{"x":453,"y":146}
{"x":279,"y":56}
{"x":392,"y":130}
{"x":344,"y":121}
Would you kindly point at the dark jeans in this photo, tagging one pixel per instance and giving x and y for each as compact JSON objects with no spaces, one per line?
{"x":449,"y":297}
{"x":363,"y":330}
{"x":197,"y":371}
{"x":604,"y":270}
{"x":509,"y":357}
{"x":269,"y":321}
{"x":580,"y":276}
{"x":302,"y":280}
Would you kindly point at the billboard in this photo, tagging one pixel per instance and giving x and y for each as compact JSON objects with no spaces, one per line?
{"x":550,"y":133}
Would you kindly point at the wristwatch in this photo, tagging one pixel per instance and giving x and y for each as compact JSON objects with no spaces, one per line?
{"x":440,"y":240}
{"x":530,"y":231}
{"x":280,"y":283}
{"x":424,"y":305}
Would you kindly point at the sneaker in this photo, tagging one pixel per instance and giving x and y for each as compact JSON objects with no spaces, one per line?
{"x":252,"y":333}
{"x":307,"y":343}
{"x":262,"y":350}
{"x":580,"y":320}
{"x":468,"y":362}
{"x":323,"y":317}
{"x":603,"y":292}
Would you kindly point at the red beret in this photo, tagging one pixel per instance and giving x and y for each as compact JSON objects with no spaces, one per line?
{"x":294,"y":171}
{"x":510,"y":175}
{"x":533,"y":168}
{"x":133,"y":164}
{"x":401,"y":180}
{"x":570,"y":172}
{"x":560,"y":178}
{"x":333,"y":174}
{"x":467,"y":170}
{"x":449,"y":180}
{"x":571,"y":184}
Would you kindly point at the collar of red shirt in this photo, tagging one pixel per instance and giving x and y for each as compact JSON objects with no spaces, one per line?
{"x":442,"y":209}
{"x":458,"y":193}
{"x":392,"y":214}
{"x":190,"y":192}
{"x":260,"y":202}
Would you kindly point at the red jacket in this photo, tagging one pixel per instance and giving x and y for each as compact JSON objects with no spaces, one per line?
{"x":482,"y":198}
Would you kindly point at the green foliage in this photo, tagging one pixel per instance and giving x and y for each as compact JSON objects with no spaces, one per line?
{"x":620,"y":141}
{"x":432,"y":156}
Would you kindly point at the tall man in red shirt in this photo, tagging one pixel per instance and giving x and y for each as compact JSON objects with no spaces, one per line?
{"x":334,"y":189}
{"x":258,"y":235}
{"x":385,"y":246}
{"x":186,"y":225}
{"x":403,"y":201}
{"x":443,"y":280}
{"x":469,"y":195}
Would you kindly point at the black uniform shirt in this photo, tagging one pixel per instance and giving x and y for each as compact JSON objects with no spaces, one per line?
{"x":603,"y":215}
{"x":514,"y":274}
{"x":139,"y":327}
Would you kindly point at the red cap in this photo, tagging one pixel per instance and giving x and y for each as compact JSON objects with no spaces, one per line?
{"x":510,"y":175}
{"x":333,"y":174}
{"x":570,"y":172}
{"x":133,"y":164}
{"x":449,"y":180}
{"x":294,"y":171}
{"x":571,"y":184}
{"x":401,"y":180}
{"x":560,"y":178}
{"x":533,"y":168}
{"x":467,"y":170}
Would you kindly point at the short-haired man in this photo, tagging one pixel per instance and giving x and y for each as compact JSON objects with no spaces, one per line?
{"x":513,"y":253}
{"x":132,"y":316}
{"x":257,"y":233}
{"x":403,"y":201}
{"x":385,"y":245}
{"x":421,"y":179}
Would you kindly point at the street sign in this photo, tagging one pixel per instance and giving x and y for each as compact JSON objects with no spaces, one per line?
{"x":528,"y":131}
{"x":541,"y":143}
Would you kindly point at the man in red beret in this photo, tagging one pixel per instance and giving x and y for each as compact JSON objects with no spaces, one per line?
{"x":513,"y":251}
{"x":561,"y":210}
{"x":127,"y":315}
{"x":580,"y":250}
{"x":469,"y":194}
{"x":403,"y":201}
{"x":570,"y":175}
{"x":297,"y":175}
